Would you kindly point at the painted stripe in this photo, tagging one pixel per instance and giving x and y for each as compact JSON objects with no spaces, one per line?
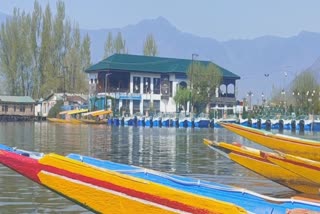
{"x":129,"y":191}
{"x":91,"y":186}
{"x":305,"y":165}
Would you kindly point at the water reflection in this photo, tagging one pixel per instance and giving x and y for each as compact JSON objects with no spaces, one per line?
{"x":174,"y":150}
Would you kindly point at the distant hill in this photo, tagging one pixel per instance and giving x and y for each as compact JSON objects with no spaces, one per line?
{"x":261,"y":62}
{"x":3,"y":17}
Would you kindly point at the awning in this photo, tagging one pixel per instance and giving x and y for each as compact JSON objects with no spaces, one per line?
{"x":77,"y":111}
{"x":92,"y":112}
{"x":102,"y":113}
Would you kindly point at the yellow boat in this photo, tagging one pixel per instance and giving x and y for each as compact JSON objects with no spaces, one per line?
{"x":252,"y":159}
{"x":103,"y":186}
{"x":97,"y":115}
{"x":291,"y":145}
{"x":68,"y":116}
{"x":123,"y":189}
{"x":307,"y":168}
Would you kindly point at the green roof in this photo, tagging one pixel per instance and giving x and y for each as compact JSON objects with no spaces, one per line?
{"x":16,"y":99}
{"x":150,"y":64}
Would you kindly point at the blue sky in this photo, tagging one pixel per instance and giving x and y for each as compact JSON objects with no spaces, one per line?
{"x":218,"y":19}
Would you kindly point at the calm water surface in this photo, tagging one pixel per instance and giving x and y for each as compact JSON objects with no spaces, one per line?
{"x":173,"y":150}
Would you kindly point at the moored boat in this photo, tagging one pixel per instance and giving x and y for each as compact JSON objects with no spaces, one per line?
{"x":292,"y":145}
{"x":251,"y":159}
{"x":69,"y":116}
{"x":96,"y":117}
{"x":105,"y":187}
{"x":307,"y":168}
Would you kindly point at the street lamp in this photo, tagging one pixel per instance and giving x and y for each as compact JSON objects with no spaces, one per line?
{"x":262,"y":99}
{"x":250,"y":94}
{"x":105,"y":89}
{"x":194,"y":55}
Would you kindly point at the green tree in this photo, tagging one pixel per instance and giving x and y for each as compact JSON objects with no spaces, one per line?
{"x":34,"y":38}
{"x":203,"y":81}
{"x":304,"y":89}
{"x":40,"y":54}
{"x":119,"y":44}
{"x":150,"y":46}
{"x":108,"y":46}
{"x":182,"y":97}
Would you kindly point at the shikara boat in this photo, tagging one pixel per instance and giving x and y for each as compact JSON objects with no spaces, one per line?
{"x":107,"y":187}
{"x":68,"y":116}
{"x":252,"y":159}
{"x":96,"y":115}
{"x":291,"y":145}
{"x":307,"y":168}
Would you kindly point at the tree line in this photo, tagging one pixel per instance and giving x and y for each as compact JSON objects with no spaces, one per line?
{"x":41,"y":53}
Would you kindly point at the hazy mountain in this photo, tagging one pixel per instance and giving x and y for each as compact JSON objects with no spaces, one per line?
{"x":261,"y":62}
{"x":3,"y":17}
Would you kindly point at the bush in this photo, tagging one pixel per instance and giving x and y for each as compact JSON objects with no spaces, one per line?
{"x":54,"y":111}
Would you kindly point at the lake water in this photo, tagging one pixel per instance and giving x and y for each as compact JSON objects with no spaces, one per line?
{"x":172,"y":150}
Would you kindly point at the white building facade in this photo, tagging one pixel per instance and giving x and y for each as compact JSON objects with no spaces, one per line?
{"x":138,"y":84}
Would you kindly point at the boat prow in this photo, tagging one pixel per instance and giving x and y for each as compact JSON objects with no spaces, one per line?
{"x":306,"y":168}
{"x":105,"y":187}
{"x":256,"y":161}
{"x":290,"y":145}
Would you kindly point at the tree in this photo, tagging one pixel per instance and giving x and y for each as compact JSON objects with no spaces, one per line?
{"x":203,"y":81}
{"x":182,"y":97}
{"x":38,"y":53}
{"x":119,"y":44}
{"x":304,"y":90}
{"x":108,"y":46}
{"x":150,"y":46}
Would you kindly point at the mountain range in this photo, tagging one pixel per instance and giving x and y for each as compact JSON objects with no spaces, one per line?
{"x":262,"y":63}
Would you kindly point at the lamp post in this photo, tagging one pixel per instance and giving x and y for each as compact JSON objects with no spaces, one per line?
{"x":262,"y":99}
{"x":194,"y":55}
{"x":105,"y":89}
{"x":250,"y":94}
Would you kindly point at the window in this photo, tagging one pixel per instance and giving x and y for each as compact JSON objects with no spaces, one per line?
{"x":156,"y":85}
{"x":146,"y":106}
{"x":156,"y":106}
{"x":22,"y":108}
{"x":136,"y":106}
{"x":136,"y":84}
{"x":4,"y":108}
{"x":146,"y":85}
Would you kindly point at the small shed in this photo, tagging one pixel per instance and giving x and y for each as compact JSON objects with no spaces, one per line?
{"x":17,"y":106}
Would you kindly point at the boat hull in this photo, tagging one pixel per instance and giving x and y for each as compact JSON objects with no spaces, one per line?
{"x":304,"y":167}
{"x":109,"y":191}
{"x":291,"y":145}
{"x":253,"y":160}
